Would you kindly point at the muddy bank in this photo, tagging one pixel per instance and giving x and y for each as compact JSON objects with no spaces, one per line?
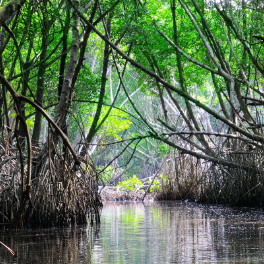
{"x":113,"y":194}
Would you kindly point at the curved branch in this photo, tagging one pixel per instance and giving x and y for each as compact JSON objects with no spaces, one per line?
{"x":17,"y":96}
{"x":9,"y":9}
{"x":203,"y":156}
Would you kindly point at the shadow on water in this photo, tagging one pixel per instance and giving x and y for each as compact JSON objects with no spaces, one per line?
{"x":157,"y":232}
{"x":64,"y":245}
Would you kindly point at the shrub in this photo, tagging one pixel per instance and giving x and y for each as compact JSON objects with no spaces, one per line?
{"x":130,"y":184}
{"x":156,"y":185}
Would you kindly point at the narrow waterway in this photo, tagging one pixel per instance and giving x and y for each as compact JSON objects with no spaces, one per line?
{"x":167,"y":232}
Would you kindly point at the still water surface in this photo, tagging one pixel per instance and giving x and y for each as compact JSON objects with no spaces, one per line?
{"x":168,"y":232}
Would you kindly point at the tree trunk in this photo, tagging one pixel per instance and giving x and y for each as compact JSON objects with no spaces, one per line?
{"x":41,"y":79}
{"x":92,"y":130}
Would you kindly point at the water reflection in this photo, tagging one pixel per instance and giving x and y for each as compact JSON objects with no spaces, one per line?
{"x":169,"y":232}
{"x":178,"y":233}
{"x":65,"y":245}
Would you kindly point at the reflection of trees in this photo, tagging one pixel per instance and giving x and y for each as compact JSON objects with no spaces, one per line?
{"x":176,"y":233}
{"x":69,"y":245}
{"x":137,"y":233}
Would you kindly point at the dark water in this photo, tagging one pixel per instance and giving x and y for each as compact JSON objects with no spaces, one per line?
{"x":169,"y":232}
